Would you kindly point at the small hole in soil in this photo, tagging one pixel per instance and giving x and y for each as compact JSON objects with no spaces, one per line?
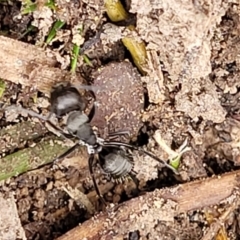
{"x":218,"y":166}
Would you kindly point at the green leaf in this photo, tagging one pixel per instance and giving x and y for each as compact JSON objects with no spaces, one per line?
{"x":57,"y":26}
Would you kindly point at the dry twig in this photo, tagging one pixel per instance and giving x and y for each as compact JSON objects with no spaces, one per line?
{"x":160,"y":205}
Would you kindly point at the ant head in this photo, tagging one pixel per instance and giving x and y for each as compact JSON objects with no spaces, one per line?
{"x":66,"y":98}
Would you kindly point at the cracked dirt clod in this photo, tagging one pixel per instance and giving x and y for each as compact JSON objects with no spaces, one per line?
{"x":119,"y":98}
{"x":180,"y":32}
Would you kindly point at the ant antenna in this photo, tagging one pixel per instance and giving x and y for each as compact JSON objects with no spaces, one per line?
{"x":39,"y":116}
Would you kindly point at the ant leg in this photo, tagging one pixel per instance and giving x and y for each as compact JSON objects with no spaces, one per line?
{"x":119,"y":133}
{"x":62,"y":133}
{"x":28,"y":112}
{"x":56,"y":160}
{"x":66,"y":153}
{"x":90,"y":165}
{"x":120,"y":144}
{"x":91,"y":113}
{"x":49,"y":115}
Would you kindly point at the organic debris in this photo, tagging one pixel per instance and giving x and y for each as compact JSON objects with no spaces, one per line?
{"x":153,"y":68}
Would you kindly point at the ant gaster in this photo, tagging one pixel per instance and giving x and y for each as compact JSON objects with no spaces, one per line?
{"x":66,"y":100}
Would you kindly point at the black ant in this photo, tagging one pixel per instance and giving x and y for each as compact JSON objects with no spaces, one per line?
{"x":114,"y":159}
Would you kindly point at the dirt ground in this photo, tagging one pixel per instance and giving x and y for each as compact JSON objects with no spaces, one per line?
{"x":171,"y":80}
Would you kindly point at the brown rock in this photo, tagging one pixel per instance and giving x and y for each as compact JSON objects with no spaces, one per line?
{"x":119,"y":97}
